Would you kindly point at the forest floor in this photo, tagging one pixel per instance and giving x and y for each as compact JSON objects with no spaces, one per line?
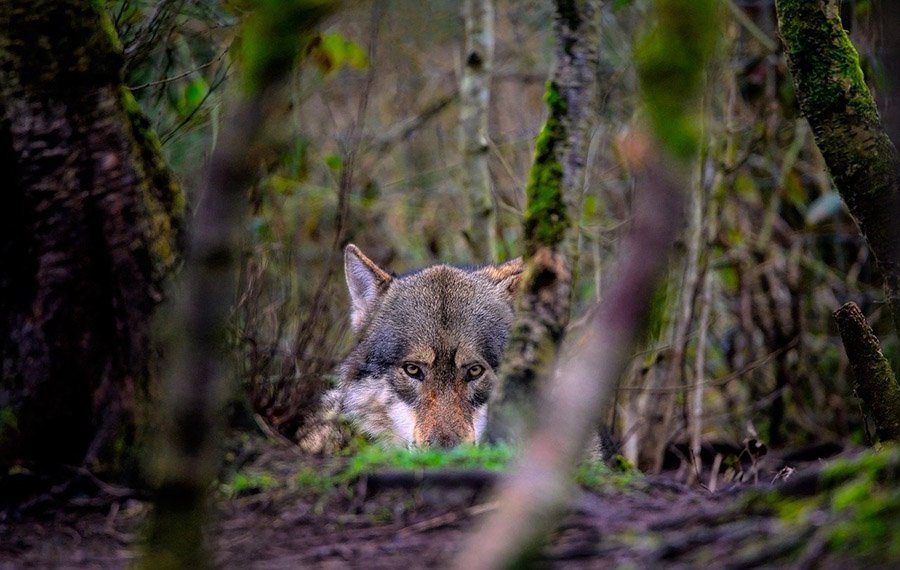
{"x":281,"y":509}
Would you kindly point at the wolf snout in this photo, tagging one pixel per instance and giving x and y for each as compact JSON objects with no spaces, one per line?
{"x":443,"y":440}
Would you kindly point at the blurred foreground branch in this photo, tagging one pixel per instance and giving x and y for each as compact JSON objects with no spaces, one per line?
{"x":199,"y":384}
{"x":672,"y":63}
{"x":531,"y":499}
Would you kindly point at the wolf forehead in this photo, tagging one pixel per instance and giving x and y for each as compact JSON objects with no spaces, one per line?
{"x":441,"y":308}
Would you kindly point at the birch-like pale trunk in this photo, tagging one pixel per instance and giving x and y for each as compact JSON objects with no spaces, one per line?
{"x":475,"y":98}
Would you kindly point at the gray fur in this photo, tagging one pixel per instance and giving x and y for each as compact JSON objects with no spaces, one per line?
{"x":454,"y":318}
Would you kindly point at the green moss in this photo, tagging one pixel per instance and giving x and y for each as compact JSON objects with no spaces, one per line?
{"x":600,"y":477}
{"x":58,"y":48}
{"x":163,"y":196}
{"x":374,"y":457}
{"x":858,"y":506}
{"x":870,"y":528}
{"x":314,"y":480}
{"x":874,"y":464}
{"x":825,"y":57}
{"x":834,"y":98}
{"x":546,"y":218}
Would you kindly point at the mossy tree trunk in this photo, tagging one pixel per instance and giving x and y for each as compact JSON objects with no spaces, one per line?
{"x":551,"y":217}
{"x":834,"y":99}
{"x":671,"y":63}
{"x":876,"y":385}
{"x":88,"y":230}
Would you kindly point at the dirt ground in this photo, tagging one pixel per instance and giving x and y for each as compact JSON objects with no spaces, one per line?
{"x":403,"y":520}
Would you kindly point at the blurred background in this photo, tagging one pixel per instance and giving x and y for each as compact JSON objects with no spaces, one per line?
{"x":370,"y":154}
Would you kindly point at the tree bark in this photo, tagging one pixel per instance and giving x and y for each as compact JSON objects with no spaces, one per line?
{"x":876,"y":385}
{"x":200,"y":379}
{"x":833,"y":96}
{"x":554,"y":195}
{"x":475,"y":97}
{"x":89,"y":227}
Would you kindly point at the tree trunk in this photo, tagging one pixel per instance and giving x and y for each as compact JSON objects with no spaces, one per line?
{"x":89,"y":222}
{"x":846,"y":126}
{"x":875,"y":382}
{"x":475,"y":97}
{"x":531,"y":499}
{"x":552,"y":214}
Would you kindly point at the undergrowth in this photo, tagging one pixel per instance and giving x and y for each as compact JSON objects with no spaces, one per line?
{"x":364,"y":458}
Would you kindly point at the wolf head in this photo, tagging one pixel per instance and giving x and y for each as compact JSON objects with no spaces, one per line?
{"x":429,"y":345}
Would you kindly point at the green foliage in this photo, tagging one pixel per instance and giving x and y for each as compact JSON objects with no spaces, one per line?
{"x":598,"y":476}
{"x":331,"y":52}
{"x":248,"y":483}
{"x":671,"y":63}
{"x":192,"y":95}
{"x":273,"y":34}
{"x":546,"y":219}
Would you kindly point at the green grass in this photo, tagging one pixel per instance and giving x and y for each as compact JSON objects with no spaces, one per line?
{"x":248,"y":483}
{"x":371,"y":458}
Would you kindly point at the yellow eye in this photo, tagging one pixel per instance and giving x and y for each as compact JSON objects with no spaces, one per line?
{"x":475,"y":372}
{"x":412,"y":370}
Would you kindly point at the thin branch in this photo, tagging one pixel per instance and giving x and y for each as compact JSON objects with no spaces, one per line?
{"x":182,"y":75}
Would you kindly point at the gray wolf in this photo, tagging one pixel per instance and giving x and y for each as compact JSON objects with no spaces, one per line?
{"x":428,"y":346}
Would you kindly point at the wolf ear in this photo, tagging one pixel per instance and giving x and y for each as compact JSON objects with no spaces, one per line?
{"x":366,"y":282}
{"x":506,"y":275}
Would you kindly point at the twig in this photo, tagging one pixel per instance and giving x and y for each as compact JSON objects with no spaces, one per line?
{"x":181,"y":75}
{"x":741,"y":17}
{"x":168,"y":136}
{"x":409,"y":125}
{"x":446,"y":519}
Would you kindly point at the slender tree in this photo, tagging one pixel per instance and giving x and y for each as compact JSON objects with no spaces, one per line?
{"x":475,"y":98}
{"x":554,"y":196}
{"x":89,"y":230}
{"x":672,"y":61}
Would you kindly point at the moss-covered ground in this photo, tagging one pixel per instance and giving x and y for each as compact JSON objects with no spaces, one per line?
{"x":393,"y":508}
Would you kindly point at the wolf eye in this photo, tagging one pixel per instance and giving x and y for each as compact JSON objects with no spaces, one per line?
{"x":412,"y":370}
{"x":475,"y":372}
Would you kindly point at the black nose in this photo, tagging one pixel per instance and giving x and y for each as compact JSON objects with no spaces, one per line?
{"x":443,"y":441}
